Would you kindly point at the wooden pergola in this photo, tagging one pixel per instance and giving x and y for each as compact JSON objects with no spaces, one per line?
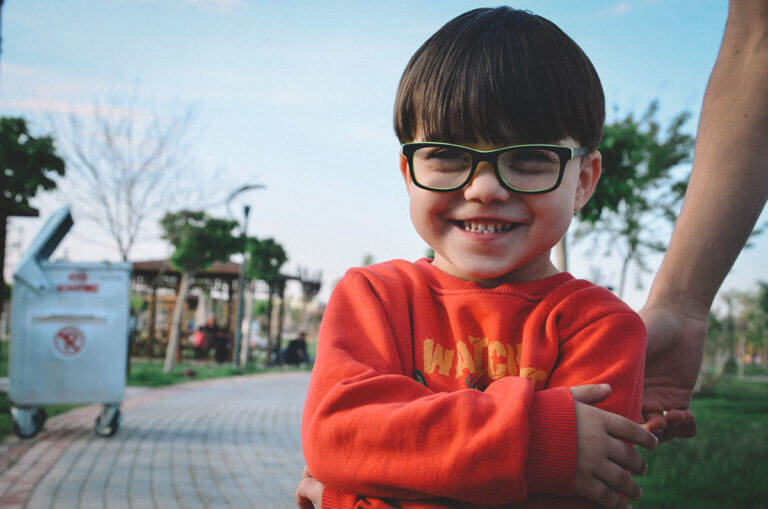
{"x":220,"y":277}
{"x":157,"y":274}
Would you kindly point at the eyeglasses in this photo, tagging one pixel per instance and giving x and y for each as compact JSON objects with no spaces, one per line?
{"x":528,"y":169}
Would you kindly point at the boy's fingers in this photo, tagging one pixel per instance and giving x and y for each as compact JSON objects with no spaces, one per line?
{"x":618,"y":480}
{"x":603,"y":495}
{"x":629,"y":431}
{"x":626,"y":457}
{"x":590,"y":393}
{"x":309,"y":493}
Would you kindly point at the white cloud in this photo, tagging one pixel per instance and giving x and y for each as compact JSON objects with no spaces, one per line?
{"x":617,"y":10}
{"x":60,"y":107}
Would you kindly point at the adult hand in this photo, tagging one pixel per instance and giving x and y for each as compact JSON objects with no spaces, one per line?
{"x":309,"y":492}
{"x":673,"y":360}
{"x":603,"y":456}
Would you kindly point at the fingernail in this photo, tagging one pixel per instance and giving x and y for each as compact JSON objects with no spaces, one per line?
{"x":645,"y":470}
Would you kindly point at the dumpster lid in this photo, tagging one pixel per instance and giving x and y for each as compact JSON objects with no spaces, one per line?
{"x":43,"y":245}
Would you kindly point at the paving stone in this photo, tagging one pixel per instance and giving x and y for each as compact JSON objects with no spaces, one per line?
{"x":218,"y":443}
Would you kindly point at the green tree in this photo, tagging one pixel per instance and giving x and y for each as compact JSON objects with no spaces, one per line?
{"x":743,"y":329}
{"x":27,"y":164}
{"x":199,"y":240}
{"x":640,"y":189}
{"x":265,"y":258}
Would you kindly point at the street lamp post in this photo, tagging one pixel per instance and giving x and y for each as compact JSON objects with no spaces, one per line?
{"x":241,"y":287}
{"x":241,"y":290}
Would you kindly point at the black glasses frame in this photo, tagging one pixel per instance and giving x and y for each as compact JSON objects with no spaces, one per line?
{"x":492,"y":156}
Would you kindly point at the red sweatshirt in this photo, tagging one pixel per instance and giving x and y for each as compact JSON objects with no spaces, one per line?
{"x":493,"y":421}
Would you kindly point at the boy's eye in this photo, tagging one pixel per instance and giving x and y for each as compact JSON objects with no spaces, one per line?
{"x":448,"y":154}
{"x":530,"y":161}
{"x":441,"y":159}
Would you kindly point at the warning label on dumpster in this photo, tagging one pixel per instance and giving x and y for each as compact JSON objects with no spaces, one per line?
{"x":69,"y":342}
{"x":78,"y":282}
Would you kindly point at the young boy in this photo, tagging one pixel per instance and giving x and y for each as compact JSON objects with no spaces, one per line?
{"x":467,"y":380}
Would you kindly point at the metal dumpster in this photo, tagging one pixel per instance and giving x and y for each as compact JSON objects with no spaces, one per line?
{"x":69,"y":329}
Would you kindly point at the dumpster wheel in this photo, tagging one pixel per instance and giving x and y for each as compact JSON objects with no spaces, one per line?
{"x":27,"y":422}
{"x":108,"y":421}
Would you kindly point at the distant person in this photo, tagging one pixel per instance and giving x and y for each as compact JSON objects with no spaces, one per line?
{"x":485,"y":375}
{"x":215,"y":337}
{"x":296,"y":351}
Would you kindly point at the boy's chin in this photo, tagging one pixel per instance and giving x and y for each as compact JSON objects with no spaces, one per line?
{"x":493,"y":274}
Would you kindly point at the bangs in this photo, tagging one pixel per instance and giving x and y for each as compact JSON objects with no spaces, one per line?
{"x":501,"y":76}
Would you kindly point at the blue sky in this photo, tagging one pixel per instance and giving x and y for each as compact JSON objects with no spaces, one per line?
{"x":298,"y":95}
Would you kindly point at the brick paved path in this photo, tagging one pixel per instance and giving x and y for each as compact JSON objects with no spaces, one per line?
{"x":220,"y":443}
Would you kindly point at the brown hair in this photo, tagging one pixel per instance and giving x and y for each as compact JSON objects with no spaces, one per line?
{"x":503,"y":76}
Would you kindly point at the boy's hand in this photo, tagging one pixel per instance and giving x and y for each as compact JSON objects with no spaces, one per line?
{"x":309,"y":492}
{"x":603,"y":457}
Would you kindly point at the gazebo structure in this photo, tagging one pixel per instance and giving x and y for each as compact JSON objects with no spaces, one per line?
{"x":151,"y":276}
{"x":160,"y":274}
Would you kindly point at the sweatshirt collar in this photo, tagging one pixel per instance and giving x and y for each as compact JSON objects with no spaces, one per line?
{"x":440,"y":280}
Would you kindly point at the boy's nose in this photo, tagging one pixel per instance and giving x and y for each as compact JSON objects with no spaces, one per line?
{"x":485,"y":185}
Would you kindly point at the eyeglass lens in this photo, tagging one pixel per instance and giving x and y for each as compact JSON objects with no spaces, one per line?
{"x":526,"y":169}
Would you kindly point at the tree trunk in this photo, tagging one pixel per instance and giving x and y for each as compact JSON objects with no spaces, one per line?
{"x":623,"y":279}
{"x":561,"y":254}
{"x":173,"y":340}
{"x":153,"y":315}
{"x":280,"y":320}
{"x":270,"y":308}
{"x":741,"y":350}
{"x":3,"y":223}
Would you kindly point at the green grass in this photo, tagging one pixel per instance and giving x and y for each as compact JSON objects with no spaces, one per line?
{"x":149,"y":373}
{"x":725,"y":464}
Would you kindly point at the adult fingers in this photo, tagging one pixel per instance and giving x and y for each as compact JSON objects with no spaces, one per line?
{"x":675,"y":424}
{"x":683,"y":427}
{"x":688,"y":428}
{"x":590,"y":393}
{"x":626,"y":457}
{"x":624,"y":429}
{"x":655,"y":423}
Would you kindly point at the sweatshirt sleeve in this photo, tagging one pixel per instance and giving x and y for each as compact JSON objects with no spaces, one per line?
{"x":602,"y":341}
{"x":370,"y":429}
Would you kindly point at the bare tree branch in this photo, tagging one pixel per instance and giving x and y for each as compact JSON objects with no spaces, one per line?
{"x":129,"y":165}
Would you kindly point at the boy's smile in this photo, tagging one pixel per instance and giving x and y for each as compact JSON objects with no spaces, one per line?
{"x":487,"y":233}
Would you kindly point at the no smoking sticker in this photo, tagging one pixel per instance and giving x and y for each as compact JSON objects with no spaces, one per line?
{"x":69,"y":343}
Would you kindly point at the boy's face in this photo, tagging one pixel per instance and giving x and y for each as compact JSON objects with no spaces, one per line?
{"x":533,"y":223}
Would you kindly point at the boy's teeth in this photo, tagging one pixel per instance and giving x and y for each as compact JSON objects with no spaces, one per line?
{"x":476,"y":227}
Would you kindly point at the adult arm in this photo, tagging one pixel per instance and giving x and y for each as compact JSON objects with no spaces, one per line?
{"x":726,"y":194}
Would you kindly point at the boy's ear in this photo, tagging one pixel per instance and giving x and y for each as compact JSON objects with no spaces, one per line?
{"x":404,"y":167}
{"x":589,"y":174}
